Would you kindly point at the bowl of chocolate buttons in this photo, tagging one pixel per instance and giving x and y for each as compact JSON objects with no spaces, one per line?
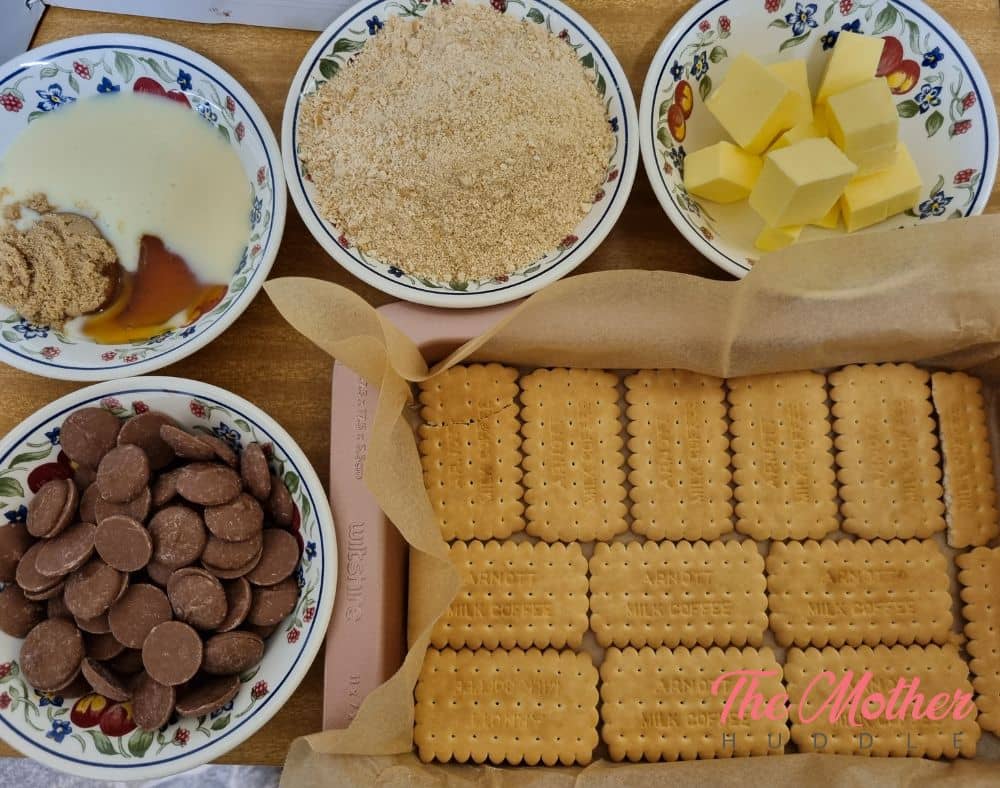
{"x":167,"y":571}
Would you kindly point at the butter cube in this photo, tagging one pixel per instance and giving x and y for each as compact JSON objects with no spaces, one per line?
{"x":793,"y":73}
{"x":804,"y":131}
{"x":864,"y":124}
{"x":831,"y":219}
{"x":870,"y":199}
{"x":752,"y":104}
{"x":798,"y":184}
{"x":771,"y":239}
{"x":721,"y":172}
{"x":854,"y":60}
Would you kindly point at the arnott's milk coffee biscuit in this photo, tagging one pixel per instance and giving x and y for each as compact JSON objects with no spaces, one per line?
{"x":979,"y":571}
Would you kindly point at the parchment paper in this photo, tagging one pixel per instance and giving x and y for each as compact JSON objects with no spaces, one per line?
{"x":929,"y":294}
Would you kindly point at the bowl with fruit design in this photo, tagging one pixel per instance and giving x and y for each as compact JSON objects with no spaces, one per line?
{"x":946,"y":116}
{"x":88,"y":734}
{"x":35,"y":87}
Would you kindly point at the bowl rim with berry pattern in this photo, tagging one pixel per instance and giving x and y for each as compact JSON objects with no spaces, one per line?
{"x":81,"y":736}
{"x":947,"y":116}
{"x":85,"y":67}
{"x":347,"y":34}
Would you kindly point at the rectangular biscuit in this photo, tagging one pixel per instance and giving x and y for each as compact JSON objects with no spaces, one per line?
{"x":970,"y":495}
{"x":886,"y":456}
{"x":670,"y":594}
{"x":516,"y":594}
{"x":979,"y":572}
{"x":873,"y":696}
{"x":506,"y":707}
{"x":659,"y":704}
{"x":679,"y":456}
{"x":843,"y":592}
{"x":783,"y":456}
{"x":470,"y":450}
{"x":573,"y":476}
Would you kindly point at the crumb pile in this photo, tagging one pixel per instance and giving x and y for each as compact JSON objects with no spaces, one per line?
{"x":461,"y":146}
{"x":58,"y":268}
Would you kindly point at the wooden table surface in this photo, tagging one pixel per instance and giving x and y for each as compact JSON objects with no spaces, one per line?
{"x":286,"y":375}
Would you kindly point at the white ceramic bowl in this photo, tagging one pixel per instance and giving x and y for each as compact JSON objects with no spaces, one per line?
{"x":347,"y":34}
{"x":947,"y":116}
{"x":91,"y":737}
{"x":79,"y":69}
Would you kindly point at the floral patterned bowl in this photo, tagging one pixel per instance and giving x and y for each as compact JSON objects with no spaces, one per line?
{"x":78,"y":69}
{"x":347,"y":35}
{"x":93,"y":737}
{"x":947,"y":116}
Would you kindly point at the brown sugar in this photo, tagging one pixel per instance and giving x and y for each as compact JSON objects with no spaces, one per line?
{"x":461,"y":146}
{"x":58,"y":268}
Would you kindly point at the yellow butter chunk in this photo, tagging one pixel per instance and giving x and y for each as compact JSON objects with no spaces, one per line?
{"x":721,"y":172}
{"x":793,"y":73}
{"x":864,"y":124}
{"x":771,"y":239}
{"x":854,"y":60}
{"x":831,"y":219}
{"x":752,"y":104}
{"x":870,"y":199}
{"x":803,"y":131}
{"x":799,"y":184}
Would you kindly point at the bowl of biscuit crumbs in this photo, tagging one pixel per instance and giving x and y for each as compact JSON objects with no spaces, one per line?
{"x":459,"y":155}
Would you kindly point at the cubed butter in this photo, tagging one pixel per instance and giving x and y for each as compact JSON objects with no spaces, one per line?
{"x":870,"y":199}
{"x":771,"y":239}
{"x":804,"y":131}
{"x":831,"y":219}
{"x":793,"y":73}
{"x":864,"y":124}
{"x":721,"y":172}
{"x":854,"y":60}
{"x":798,"y":184}
{"x":752,"y":104}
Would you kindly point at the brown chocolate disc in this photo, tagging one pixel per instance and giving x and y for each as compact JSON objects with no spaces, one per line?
{"x":141,"y":608}
{"x":92,"y":589}
{"x":88,"y":503}
{"x":197,"y":598}
{"x":51,"y":654}
{"x":255,"y":473}
{"x":208,"y":484}
{"x":264,"y":632}
{"x":123,"y":473}
{"x":47,"y":594}
{"x":88,"y":434}
{"x":164,"y":487}
{"x":178,"y":536}
{"x":185,"y":444}
{"x":56,"y":608}
{"x":223,"y":450}
{"x":18,"y":615}
{"x":53,"y":508}
{"x":128,"y":662}
{"x":280,"y":505}
{"x":232,"y":652}
{"x":14,"y":543}
{"x":103,"y":646}
{"x":232,"y":574}
{"x":104,"y":681}
{"x":84,"y":476}
{"x":152,"y":702}
{"x":144,"y":431}
{"x":27,"y":575}
{"x":278,"y":559}
{"x":159,"y":573}
{"x":97,"y":625}
{"x":272,"y":603}
{"x":231,"y":555}
{"x":172,"y":653}
{"x":77,"y":688}
{"x":123,"y":543}
{"x":207,"y":695}
{"x":138,"y":508}
{"x":67,"y":552}
{"x":238,"y":598}
{"x":236,"y":521}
